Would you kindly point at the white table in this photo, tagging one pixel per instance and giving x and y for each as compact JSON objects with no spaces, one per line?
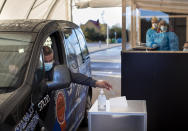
{"x":131,"y":118}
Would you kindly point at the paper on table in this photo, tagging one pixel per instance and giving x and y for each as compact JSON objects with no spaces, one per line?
{"x":118,"y":103}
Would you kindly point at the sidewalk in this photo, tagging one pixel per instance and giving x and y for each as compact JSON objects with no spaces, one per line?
{"x":94,"y":47}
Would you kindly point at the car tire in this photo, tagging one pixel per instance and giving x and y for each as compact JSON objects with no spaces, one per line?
{"x":87,"y":107}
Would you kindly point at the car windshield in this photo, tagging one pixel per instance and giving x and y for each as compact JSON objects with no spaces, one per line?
{"x":14,"y":55}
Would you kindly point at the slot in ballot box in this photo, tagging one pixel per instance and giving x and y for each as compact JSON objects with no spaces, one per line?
{"x":131,"y":118}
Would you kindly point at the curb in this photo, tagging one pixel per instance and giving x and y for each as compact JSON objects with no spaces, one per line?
{"x":103,"y":49}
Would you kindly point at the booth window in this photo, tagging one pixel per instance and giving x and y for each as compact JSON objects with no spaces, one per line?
{"x":169,"y":34}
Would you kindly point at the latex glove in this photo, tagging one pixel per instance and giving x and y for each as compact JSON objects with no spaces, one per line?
{"x":154,"y":46}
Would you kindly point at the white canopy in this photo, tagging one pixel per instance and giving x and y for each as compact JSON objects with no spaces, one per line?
{"x":36,"y":9}
{"x":62,"y":9}
{"x":98,"y":3}
{"x":176,"y":6}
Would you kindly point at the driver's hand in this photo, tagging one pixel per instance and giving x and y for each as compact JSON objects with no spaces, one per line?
{"x":103,"y":84}
{"x":154,"y":46}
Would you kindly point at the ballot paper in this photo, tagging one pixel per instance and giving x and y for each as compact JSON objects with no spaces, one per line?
{"x":118,"y":104}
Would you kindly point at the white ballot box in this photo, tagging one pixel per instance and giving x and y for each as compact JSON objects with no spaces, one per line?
{"x":130,"y":118}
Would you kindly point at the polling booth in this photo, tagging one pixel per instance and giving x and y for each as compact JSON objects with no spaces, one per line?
{"x":156,"y":75}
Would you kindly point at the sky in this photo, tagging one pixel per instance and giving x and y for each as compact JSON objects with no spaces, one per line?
{"x":111,"y":16}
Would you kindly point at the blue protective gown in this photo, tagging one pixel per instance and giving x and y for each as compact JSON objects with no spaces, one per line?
{"x":150,"y":37}
{"x":162,"y":41}
{"x":173,"y":41}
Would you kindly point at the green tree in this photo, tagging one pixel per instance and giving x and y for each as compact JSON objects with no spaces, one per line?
{"x":113,"y":30}
{"x":91,"y":35}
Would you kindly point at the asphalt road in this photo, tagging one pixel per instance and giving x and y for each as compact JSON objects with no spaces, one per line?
{"x":106,"y":65}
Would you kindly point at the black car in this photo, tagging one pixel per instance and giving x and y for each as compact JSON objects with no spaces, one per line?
{"x":27,"y":100}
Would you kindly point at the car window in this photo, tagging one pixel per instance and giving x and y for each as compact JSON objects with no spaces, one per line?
{"x":48,"y":42}
{"x":51,"y":42}
{"x":82,"y":42}
{"x":72,"y":42}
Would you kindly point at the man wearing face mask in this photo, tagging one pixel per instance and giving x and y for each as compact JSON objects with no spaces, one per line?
{"x":150,"y":35}
{"x":75,"y":77}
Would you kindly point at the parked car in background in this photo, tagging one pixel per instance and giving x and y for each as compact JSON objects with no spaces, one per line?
{"x":27,"y":100}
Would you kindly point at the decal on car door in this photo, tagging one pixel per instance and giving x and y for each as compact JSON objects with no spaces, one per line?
{"x":29,"y":120}
{"x":60,"y":110}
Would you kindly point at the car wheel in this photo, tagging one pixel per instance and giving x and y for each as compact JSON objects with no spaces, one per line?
{"x":88,"y":106}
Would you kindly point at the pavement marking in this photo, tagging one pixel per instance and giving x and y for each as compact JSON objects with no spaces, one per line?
{"x":97,"y":49}
{"x":107,"y":61}
{"x":104,"y":73}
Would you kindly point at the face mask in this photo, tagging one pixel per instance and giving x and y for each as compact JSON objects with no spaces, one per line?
{"x":185,"y":49}
{"x":48,"y":66}
{"x":163,"y":28}
{"x":154,"y":25}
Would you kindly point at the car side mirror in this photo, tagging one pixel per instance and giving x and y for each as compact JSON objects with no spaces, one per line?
{"x":61,"y":78}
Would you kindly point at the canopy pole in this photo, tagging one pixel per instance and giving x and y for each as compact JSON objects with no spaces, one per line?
{"x":134,"y":25}
{"x":131,"y":26}
{"x":3,"y":5}
{"x":123,"y":25}
{"x":29,"y":12}
{"x":71,"y":17}
{"x":187,"y":29}
{"x":49,"y":11}
{"x":139,"y":27}
{"x":67,"y":9}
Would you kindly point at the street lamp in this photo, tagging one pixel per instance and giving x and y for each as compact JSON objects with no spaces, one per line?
{"x":107,"y":31}
{"x":107,"y":35}
{"x":115,"y":36}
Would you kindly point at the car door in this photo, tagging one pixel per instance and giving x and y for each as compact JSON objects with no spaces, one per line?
{"x":84,"y":68}
{"x":56,"y":117}
{"x":75,"y":60}
{"x":72,"y":99}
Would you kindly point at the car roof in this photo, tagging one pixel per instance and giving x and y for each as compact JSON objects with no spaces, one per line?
{"x":31,"y":25}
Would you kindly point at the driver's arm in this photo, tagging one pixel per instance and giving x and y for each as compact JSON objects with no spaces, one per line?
{"x":82,"y":79}
{"x":85,"y":80}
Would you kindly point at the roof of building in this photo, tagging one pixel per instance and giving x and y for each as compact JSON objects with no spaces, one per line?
{"x":96,"y":23}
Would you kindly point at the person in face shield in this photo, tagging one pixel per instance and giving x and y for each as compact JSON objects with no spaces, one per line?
{"x":150,"y":35}
{"x":161,"y":38}
{"x":185,"y":47}
{"x":75,"y":77}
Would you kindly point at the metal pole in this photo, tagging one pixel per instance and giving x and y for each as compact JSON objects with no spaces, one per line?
{"x":139,"y":28}
{"x":29,"y":12}
{"x":123,"y":25}
{"x":107,"y":33}
{"x":134,"y":25}
{"x":71,"y":19}
{"x":3,"y":6}
{"x":49,"y":11}
{"x":187,"y":29}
